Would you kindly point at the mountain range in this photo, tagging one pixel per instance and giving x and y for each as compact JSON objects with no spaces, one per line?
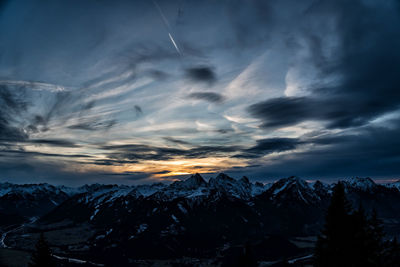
{"x":193,"y":218}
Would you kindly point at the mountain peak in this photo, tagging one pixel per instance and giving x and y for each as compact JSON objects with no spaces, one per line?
{"x":245,"y":180}
{"x":258,"y":184}
{"x":223,"y":176}
{"x":293,"y":180}
{"x":360,"y":183}
{"x":194,"y":181}
{"x":293,"y":188}
{"x":318,"y":185}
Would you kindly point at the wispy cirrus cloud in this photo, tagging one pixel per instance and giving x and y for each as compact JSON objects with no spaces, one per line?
{"x":251,"y":90}
{"x":207,"y":96}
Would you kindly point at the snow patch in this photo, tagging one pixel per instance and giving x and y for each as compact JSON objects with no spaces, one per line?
{"x":174,"y":218}
{"x":182,"y":208}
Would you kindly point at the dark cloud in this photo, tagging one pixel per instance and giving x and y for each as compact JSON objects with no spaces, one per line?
{"x":138,"y":110}
{"x":369,"y":151}
{"x":130,"y":175}
{"x":207,"y":96}
{"x":112,"y":162}
{"x":364,"y":67}
{"x":93,"y":125}
{"x":38,"y":124}
{"x":136,"y":153}
{"x":21,"y":153}
{"x":158,"y":75}
{"x":18,"y":99}
{"x":201,"y":74}
{"x":270,"y":145}
{"x":176,"y":141}
{"x":12,"y":104}
{"x":10,"y":133}
{"x":88,"y":105}
{"x":224,"y":131}
{"x":54,"y":142}
{"x":286,"y":111}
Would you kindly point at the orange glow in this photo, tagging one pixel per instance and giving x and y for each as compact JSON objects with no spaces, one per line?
{"x":163,"y":169}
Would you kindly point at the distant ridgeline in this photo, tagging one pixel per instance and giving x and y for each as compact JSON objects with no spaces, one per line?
{"x":191,"y":219}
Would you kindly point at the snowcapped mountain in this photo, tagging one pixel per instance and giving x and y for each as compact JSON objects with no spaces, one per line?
{"x":395,"y":184}
{"x":293,"y":189}
{"x":94,"y":205}
{"x":363,"y":184}
{"x":190,"y":217}
{"x":28,"y":189}
{"x":18,"y":203}
{"x":21,"y":199}
{"x":241,"y":188}
{"x":96,"y":202}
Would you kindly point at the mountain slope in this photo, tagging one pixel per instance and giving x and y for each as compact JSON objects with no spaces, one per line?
{"x":195,"y":217}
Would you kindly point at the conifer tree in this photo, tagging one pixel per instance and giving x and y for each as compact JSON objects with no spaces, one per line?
{"x":391,"y":253}
{"x":374,"y":243}
{"x":247,"y":258}
{"x":334,"y":243}
{"x":42,"y":256}
{"x":350,"y":238}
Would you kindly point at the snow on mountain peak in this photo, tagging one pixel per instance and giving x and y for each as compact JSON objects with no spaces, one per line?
{"x":28,"y":189}
{"x":320,"y":186}
{"x":194,"y":189}
{"x":395,"y":184}
{"x":244,"y":180}
{"x":193,"y":182}
{"x":360,"y":183}
{"x":294,"y":188}
{"x":241,"y":188}
{"x":284,"y":183}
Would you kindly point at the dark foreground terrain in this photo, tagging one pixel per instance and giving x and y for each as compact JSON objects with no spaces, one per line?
{"x":187,"y":223}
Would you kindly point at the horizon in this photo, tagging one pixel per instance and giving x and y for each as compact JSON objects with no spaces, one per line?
{"x":150,"y":91}
{"x":207,"y":177}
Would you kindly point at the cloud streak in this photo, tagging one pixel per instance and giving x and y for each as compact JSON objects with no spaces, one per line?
{"x":268,"y":88}
{"x":207,"y":96}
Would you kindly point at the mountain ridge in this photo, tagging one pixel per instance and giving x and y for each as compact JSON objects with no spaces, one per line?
{"x":189,"y":218}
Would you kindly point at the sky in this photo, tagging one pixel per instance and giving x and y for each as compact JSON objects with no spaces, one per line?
{"x":134,"y":92}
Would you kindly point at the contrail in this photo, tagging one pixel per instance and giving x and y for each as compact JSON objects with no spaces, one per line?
{"x":176,"y":47}
{"x":162,"y":15}
{"x":164,"y":19}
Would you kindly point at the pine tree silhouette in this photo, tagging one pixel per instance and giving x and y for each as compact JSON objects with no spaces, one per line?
{"x":334,"y":243}
{"x":374,"y":244}
{"x":391,"y":253}
{"x":366,"y":240}
{"x":42,"y":256}
{"x":350,"y":238}
{"x":246,"y":259}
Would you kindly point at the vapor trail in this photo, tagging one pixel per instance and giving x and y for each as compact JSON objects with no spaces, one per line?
{"x":176,"y":47}
{"x":164,"y":19}
{"x":162,"y":15}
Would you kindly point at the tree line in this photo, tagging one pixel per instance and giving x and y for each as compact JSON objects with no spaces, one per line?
{"x":351,"y":238}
